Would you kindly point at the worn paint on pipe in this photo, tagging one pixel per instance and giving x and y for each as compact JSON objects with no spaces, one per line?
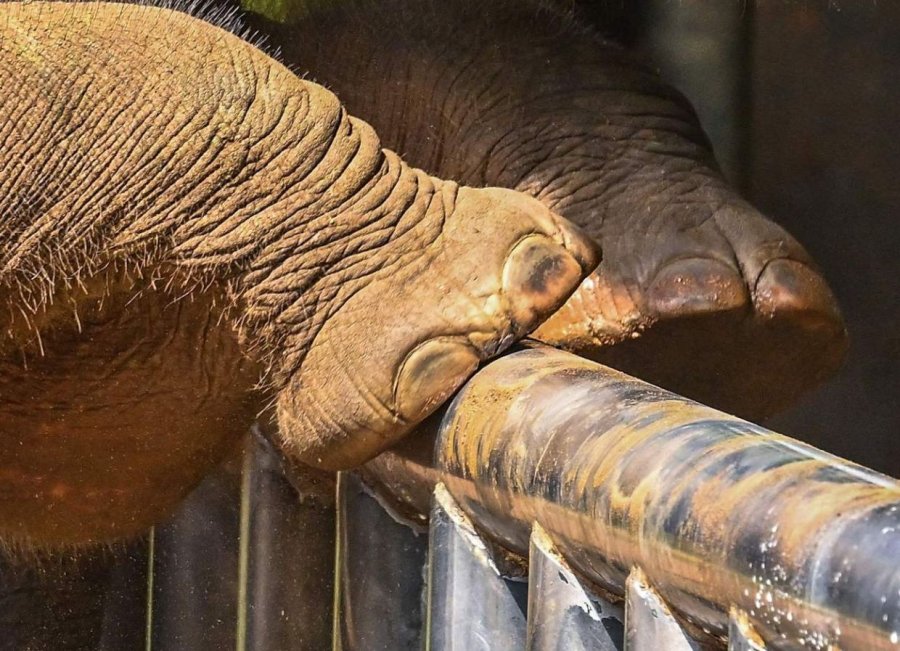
{"x":716,"y":511}
{"x":649,"y":625}
{"x":741,"y":635}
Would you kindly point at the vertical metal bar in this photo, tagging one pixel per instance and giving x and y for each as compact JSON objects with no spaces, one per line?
{"x":195,"y":574}
{"x":470,"y":605}
{"x":124,"y":612}
{"x":561,"y":613}
{"x":240,"y":633}
{"x":649,"y":624}
{"x":150,"y":564}
{"x":741,"y":635}
{"x":380,"y":565}
{"x":290,"y":556}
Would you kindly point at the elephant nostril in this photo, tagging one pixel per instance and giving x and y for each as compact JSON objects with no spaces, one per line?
{"x":694,"y":286}
{"x":538,"y":276}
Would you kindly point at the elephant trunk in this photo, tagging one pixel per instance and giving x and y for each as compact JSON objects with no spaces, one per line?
{"x":211,"y":161}
{"x":697,"y":291}
{"x":180,"y":214}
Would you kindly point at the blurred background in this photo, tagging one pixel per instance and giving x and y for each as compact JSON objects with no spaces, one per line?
{"x":802,"y":102}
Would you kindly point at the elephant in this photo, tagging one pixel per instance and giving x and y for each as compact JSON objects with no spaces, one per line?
{"x":192,"y":236}
{"x":697,"y":291}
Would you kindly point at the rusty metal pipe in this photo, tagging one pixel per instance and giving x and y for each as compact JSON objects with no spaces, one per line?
{"x":717,"y":512}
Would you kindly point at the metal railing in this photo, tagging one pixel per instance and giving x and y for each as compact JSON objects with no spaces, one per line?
{"x":556,"y":504}
{"x":712,"y":530}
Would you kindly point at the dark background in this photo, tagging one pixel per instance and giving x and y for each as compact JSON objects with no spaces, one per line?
{"x":825,"y":162}
{"x":802,"y":102}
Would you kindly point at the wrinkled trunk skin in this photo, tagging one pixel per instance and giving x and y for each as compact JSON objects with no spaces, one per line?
{"x":189,"y":233}
{"x":697,"y":291}
{"x":117,"y":183}
{"x":113,"y":186}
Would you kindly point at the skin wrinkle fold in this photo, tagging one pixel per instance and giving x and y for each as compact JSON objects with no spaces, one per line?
{"x":46,"y":115}
{"x":358,"y":279}
{"x":187,"y":123}
{"x":214,"y":247}
{"x":308,"y":335}
{"x":538,"y":103}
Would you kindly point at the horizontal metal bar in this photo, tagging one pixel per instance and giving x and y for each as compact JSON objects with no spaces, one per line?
{"x":717,"y":512}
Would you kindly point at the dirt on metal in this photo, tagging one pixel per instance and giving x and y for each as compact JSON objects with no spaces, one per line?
{"x":716,"y":511}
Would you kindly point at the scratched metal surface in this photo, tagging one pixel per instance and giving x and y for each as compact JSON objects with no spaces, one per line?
{"x":562,"y":615}
{"x":716,"y":511}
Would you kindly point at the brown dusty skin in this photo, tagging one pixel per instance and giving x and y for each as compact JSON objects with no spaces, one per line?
{"x":697,"y":292}
{"x":94,"y":430}
{"x":183,"y":219}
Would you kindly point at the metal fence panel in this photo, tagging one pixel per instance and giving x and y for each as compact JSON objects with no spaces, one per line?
{"x":471,"y":606}
{"x":717,"y":512}
{"x":562,"y":615}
